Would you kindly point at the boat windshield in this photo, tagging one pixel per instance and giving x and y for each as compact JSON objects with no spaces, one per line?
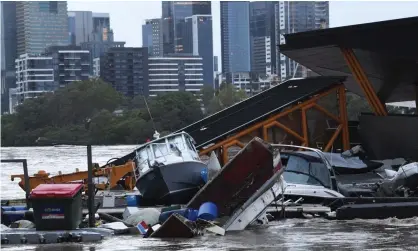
{"x":176,"y":142}
{"x":189,"y":144}
{"x":300,"y":171}
{"x":160,"y":149}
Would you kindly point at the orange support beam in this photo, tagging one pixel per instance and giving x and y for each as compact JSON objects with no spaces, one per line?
{"x":286,"y":129}
{"x":363,"y":81}
{"x":305,"y":128}
{"x":260,"y":125}
{"x":265,"y":133}
{"x":333,"y":138}
{"x":344,"y":118}
{"x":225,"y":157}
{"x":324,"y":111}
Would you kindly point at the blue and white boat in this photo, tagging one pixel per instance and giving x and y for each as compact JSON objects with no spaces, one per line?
{"x":168,"y":169}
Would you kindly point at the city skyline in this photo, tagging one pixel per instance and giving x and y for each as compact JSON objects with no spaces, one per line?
{"x":243,"y":36}
{"x":342,"y":13}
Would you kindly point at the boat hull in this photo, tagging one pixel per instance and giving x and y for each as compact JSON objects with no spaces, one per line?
{"x":171,"y":184}
{"x":238,"y":180}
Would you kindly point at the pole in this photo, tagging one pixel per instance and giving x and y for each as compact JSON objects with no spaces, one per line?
{"x":90,"y":200}
{"x":26,"y":176}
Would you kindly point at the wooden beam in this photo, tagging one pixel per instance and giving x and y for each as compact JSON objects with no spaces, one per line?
{"x":269,"y":120}
{"x":333,"y":138}
{"x":363,"y":81}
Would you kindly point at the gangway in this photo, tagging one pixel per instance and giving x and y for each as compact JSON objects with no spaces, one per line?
{"x":257,"y":108}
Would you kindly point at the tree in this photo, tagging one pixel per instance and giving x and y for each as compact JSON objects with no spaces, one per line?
{"x":175,"y":110}
{"x":138,"y":102}
{"x":63,"y":115}
{"x":356,"y":105}
{"x":207,"y":93}
{"x":225,"y":97}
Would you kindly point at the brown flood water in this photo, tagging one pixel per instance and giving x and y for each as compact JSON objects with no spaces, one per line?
{"x":291,"y":234}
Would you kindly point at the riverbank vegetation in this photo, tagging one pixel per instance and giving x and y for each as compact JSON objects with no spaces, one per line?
{"x":93,"y":111}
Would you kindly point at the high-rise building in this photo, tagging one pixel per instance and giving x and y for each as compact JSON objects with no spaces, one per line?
{"x":96,"y":67}
{"x":80,"y":26}
{"x":215,"y":64}
{"x":101,"y":27}
{"x":57,"y":67}
{"x":263,"y":39}
{"x":175,"y":72}
{"x":261,"y":56}
{"x":8,"y":51}
{"x":71,"y":63}
{"x":126,"y":69}
{"x":87,"y":26}
{"x":34,"y":76}
{"x":174,"y":13}
{"x":40,"y":25}
{"x":98,"y":49}
{"x":152,"y":36}
{"x":292,"y":17}
{"x":235,"y":37}
{"x":197,"y":40}
{"x":100,"y":21}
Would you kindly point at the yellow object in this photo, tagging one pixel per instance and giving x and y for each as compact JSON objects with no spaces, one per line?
{"x":114,"y":174}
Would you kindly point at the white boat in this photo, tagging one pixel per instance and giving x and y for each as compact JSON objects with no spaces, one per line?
{"x":168,"y":169}
{"x":314,"y":176}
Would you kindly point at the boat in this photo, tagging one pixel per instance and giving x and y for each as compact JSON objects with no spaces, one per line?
{"x":316,"y":176}
{"x":238,"y":180}
{"x":168,"y":170}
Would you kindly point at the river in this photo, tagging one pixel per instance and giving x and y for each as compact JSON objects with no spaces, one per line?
{"x":290,"y":234}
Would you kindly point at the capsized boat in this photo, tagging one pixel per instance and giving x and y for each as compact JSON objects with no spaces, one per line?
{"x":168,"y":169}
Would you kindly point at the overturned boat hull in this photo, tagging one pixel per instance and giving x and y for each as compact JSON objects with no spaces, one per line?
{"x":238,"y":180}
{"x":176,"y":226}
{"x":171,"y":184}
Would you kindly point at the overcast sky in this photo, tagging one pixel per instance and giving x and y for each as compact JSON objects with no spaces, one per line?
{"x":126,"y":18}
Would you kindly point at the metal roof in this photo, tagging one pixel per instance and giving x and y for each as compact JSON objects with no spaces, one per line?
{"x":257,"y":108}
{"x":387,"y":51}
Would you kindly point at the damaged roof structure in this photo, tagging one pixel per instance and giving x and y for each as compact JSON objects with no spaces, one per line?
{"x":380,"y":63}
{"x":387,"y":53}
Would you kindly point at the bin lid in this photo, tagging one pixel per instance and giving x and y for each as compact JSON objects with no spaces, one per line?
{"x":56,"y":190}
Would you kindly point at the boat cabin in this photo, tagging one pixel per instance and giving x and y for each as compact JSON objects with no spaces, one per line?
{"x":173,"y":148}
{"x":304,"y":169}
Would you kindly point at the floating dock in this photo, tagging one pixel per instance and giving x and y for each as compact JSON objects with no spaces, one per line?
{"x":14,"y":236}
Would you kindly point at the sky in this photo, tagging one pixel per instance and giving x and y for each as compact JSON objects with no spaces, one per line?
{"x":127,"y":17}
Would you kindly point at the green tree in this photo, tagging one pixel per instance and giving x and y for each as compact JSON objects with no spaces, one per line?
{"x":138,"y":102}
{"x":64,"y":115}
{"x":207,"y":93}
{"x":175,"y":110}
{"x":226,"y":96}
{"x":356,"y":105}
